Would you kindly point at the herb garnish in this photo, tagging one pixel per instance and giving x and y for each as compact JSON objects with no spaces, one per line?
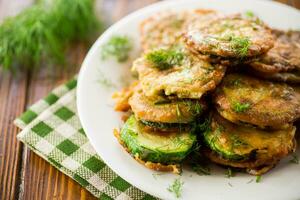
{"x":239,"y":44}
{"x":249,"y":14}
{"x":295,"y":159}
{"x":43,"y":30}
{"x":236,"y":141}
{"x":258,"y":179}
{"x":176,"y":187}
{"x":229,"y":173}
{"x":201,"y":169}
{"x":165,"y":58}
{"x":240,"y":107}
{"x":105,"y":81}
{"x":118,"y":47}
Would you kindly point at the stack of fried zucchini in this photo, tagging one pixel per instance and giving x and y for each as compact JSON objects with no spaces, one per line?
{"x":201,"y":65}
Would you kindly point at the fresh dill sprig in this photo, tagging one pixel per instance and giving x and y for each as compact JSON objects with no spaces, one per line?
{"x":229,"y":173}
{"x":165,"y":58}
{"x":201,"y":169}
{"x":238,"y":44}
{"x":249,"y":14}
{"x":240,"y":107}
{"x":258,"y":179}
{"x":294,"y":159}
{"x":176,"y":187}
{"x":104,"y":81}
{"x":118,"y":47}
{"x":43,"y":31}
{"x":237,"y":142}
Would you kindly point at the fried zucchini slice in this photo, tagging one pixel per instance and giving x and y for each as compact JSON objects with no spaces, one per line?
{"x":287,"y":77}
{"x":159,"y":110}
{"x":239,"y":143}
{"x":154,"y":146}
{"x":244,"y":99}
{"x":165,"y":29}
{"x":177,"y":72}
{"x":251,"y":167}
{"x":232,"y":36}
{"x":283,"y":57}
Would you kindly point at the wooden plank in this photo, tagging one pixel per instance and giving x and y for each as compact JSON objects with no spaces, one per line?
{"x":12,"y":103}
{"x":51,"y":183}
{"x":36,"y":171}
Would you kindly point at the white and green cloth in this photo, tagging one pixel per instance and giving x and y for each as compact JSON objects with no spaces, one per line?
{"x":51,"y":128}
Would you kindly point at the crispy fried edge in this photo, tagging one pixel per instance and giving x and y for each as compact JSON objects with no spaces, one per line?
{"x":176,"y":169}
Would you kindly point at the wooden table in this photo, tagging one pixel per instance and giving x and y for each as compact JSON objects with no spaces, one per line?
{"x":23,"y":174}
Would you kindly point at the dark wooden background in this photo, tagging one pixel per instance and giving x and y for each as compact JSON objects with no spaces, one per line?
{"x":23,"y":174}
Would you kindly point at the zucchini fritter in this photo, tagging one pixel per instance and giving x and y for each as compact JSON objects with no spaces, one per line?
{"x":283,"y":57}
{"x":282,"y":62}
{"x":247,"y":147}
{"x":177,"y":73}
{"x":162,"y":110}
{"x":154,"y":146}
{"x":230,"y":37}
{"x":165,"y":29}
{"x":244,"y":99}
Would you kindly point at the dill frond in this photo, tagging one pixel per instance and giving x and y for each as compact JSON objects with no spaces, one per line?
{"x":43,"y":31}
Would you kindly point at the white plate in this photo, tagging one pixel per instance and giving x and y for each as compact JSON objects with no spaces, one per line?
{"x":95,"y":107}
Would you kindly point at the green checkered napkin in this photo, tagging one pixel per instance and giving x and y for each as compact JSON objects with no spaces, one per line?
{"x":51,"y":128}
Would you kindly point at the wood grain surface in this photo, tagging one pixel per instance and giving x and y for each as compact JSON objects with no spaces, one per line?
{"x":23,"y":174}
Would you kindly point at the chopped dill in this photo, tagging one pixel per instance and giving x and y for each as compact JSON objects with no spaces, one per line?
{"x":258,"y":179}
{"x":230,"y":184}
{"x":249,"y":14}
{"x":239,"y":44}
{"x":229,"y":173}
{"x":236,"y":141}
{"x":205,"y":126}
{"x":294,"y":159}
{"x":201,"y":169}
{"x":240,"y":107}
{"x":156,"y":174}
{"x":165,"y":58}
{"x":105,"y":82}
{"x":118,"y":47}
{"x":197,"y":108}
{"x":176,"y":187}
{"x":237,"y":82}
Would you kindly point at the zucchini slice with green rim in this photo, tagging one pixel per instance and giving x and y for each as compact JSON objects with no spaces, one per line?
{"x":241,"y":143}
{"x":154,"y":146}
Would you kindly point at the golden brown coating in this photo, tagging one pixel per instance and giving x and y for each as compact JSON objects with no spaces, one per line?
{"x":163,"y":110}
{"x":252,"y":146}
{"x":286,"y":77}
{"x":122,"y":97}
{"x":165,"y":29}
{"x":250,"y":167}
{"x":230,"y":37}
{"x":192,"y":78}
{"x":244,"y":99}
{"x":283,"y":57}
